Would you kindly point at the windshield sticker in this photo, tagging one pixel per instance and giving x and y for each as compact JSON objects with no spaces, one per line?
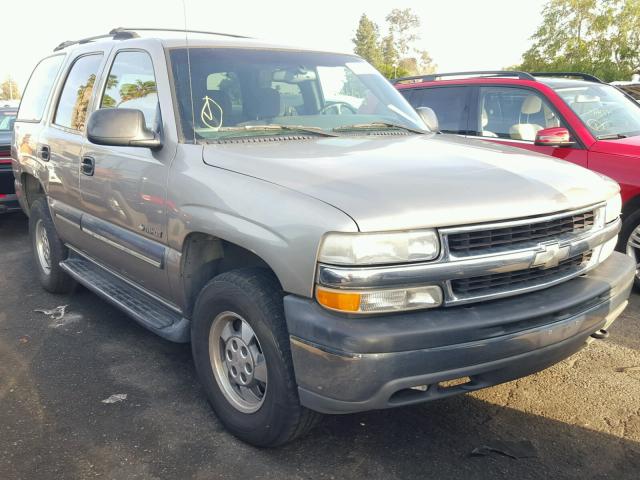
{"x":361,"y":68}
{"x":211,"y":118}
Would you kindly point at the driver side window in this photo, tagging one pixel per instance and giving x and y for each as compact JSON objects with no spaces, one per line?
{"x":514,"y":113}
{"x":132,"y":84}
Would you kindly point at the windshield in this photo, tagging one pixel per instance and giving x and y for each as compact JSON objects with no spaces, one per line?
{"x":7,"y":118}
{"x":250,"y":92}
{"x":604,"y":109}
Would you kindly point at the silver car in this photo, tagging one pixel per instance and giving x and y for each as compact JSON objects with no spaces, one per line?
{"x":288,"y":213}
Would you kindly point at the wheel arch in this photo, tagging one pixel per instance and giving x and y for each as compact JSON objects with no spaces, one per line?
{"x":204,"y":256}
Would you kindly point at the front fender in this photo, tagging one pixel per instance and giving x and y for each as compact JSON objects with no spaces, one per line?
{"x":281,"y":226}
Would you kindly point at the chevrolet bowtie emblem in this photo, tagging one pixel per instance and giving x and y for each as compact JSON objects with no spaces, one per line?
{"x":550,"y":256}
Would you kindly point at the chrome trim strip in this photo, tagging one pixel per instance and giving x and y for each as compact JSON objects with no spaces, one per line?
{"x":67,"y":220}
{"x":122,"y":248}
{"x":442,"y":273}
{"x":520,"y":221}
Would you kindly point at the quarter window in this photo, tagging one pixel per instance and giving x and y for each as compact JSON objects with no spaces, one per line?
{"x":38,"y":89}
{"x":132,"y":84}
{"x":513,"y":113}
{"x":73,"y":104}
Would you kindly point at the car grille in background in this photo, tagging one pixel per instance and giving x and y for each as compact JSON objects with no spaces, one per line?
{"x":475,"y":241}
{"x":487,"y":284}
{"x":5,"y":151}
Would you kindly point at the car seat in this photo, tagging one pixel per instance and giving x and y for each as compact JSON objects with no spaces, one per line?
{"x":526,"y":129}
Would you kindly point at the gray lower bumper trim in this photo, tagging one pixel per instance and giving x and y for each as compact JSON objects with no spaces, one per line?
{"x":334,"y":379}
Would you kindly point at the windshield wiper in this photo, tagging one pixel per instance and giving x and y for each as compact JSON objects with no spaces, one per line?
{"x":277,"y":128}
{"x":378,"y":125}
{"x":611,"y":136}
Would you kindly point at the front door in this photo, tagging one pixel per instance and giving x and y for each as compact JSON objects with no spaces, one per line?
{"x":514,"y":115}
{"x":123,"y":189}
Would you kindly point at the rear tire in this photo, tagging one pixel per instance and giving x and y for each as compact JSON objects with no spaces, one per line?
{"x":238,"y":339}
{"x":48,"y":249}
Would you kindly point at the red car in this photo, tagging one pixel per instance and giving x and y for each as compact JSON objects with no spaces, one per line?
{"x":572,"y":116}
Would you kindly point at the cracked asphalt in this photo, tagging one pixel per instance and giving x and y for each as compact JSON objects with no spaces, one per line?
{"x":578,"y":419}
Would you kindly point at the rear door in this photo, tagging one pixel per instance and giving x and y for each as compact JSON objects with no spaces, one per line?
{"x":513,"y":115}
{"x":124,"y":193}
{"x":63,"y":137}
{"x":32,"y":114}
{"x":450,"y":103}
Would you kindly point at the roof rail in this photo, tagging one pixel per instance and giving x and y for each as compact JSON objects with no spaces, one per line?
{"x":182,"y":30}
{"x":125,"y":33}
{"x":484,"y":73}
{"x":583,"y":76}
{"x":116,"y":34}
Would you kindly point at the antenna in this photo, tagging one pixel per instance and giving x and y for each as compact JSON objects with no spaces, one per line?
{"x":186,"y":39}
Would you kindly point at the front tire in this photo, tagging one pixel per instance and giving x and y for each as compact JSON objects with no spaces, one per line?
{"x":48,"y":249}
{"x":629,"y":241}
{"x":241,"y":351}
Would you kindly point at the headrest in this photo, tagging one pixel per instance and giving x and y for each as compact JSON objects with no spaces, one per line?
{"x":485,"y":118}
{"x":532,"y":104}
{"x":267,"y":103}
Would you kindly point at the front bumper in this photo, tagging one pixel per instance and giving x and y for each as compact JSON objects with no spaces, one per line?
{"x":347,"y":364}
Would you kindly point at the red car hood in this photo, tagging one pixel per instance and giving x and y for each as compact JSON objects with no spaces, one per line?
{"x":629,"y":146}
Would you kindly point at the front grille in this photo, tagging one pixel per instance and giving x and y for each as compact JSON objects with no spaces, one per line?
{"x":497,"y":282}
{"x":476,"y":241}
{"x":5,"y":151}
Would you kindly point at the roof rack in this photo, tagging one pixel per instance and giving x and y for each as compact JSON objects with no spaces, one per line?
{"x":483,"y":73}
{"x":126,"y":33}
{"x":115,"y":34}
{"x":179,"y":30}
{"x":583,"y":76}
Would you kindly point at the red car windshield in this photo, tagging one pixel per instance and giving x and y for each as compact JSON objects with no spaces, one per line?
{"x":604,"y":109}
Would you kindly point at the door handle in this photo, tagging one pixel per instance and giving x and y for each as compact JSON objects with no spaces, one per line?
{"x":44,"y":153}
{"x":88,"y":166}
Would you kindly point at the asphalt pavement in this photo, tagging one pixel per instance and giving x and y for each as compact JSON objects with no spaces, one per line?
{"x":578,"y":419}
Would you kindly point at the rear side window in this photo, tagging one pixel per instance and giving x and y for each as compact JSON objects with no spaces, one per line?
{"x":34,"y":99}
{"x":449,"y":103}
{"x":76,"y":94}
{"x":132,"y":84}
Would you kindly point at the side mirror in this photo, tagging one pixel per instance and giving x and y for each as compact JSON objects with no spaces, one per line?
{"x":429,"y":117}
{"x":554,"y":137}
{"x":121,"y":127}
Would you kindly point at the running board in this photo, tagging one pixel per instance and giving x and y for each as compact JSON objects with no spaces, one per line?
{"x":148,"y":311}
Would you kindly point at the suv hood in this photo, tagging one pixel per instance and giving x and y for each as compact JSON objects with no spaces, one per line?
{"x":403,"y":182}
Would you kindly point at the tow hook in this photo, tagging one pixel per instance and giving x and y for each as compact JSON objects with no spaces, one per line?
{"x":600,"y":334}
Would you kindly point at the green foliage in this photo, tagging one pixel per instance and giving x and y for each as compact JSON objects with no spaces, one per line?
{"x":367,"y":42}
{"x":601,"y":37}
{"x":393,"y":54}
{"x":9,"y":89}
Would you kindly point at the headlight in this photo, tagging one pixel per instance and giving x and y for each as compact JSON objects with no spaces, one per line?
{"x":378,"y":301}
{"x":379,"y":248}
{"x":613,"y":208}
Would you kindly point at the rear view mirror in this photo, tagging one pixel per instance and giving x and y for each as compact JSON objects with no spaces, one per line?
{"x":429,"y":117}
{"x":121,"y":127}
{"x":554,"y":137}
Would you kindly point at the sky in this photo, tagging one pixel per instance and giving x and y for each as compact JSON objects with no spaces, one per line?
{"x":459,"y":34}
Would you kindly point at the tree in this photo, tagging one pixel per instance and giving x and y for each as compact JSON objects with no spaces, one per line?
{"x":367,"y":42}
{"x":403,"y":25}
{"x":9,"y":89}
{"x":140,"y":89}
{"x":593,"y":36}
{"x":394,"y":55}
